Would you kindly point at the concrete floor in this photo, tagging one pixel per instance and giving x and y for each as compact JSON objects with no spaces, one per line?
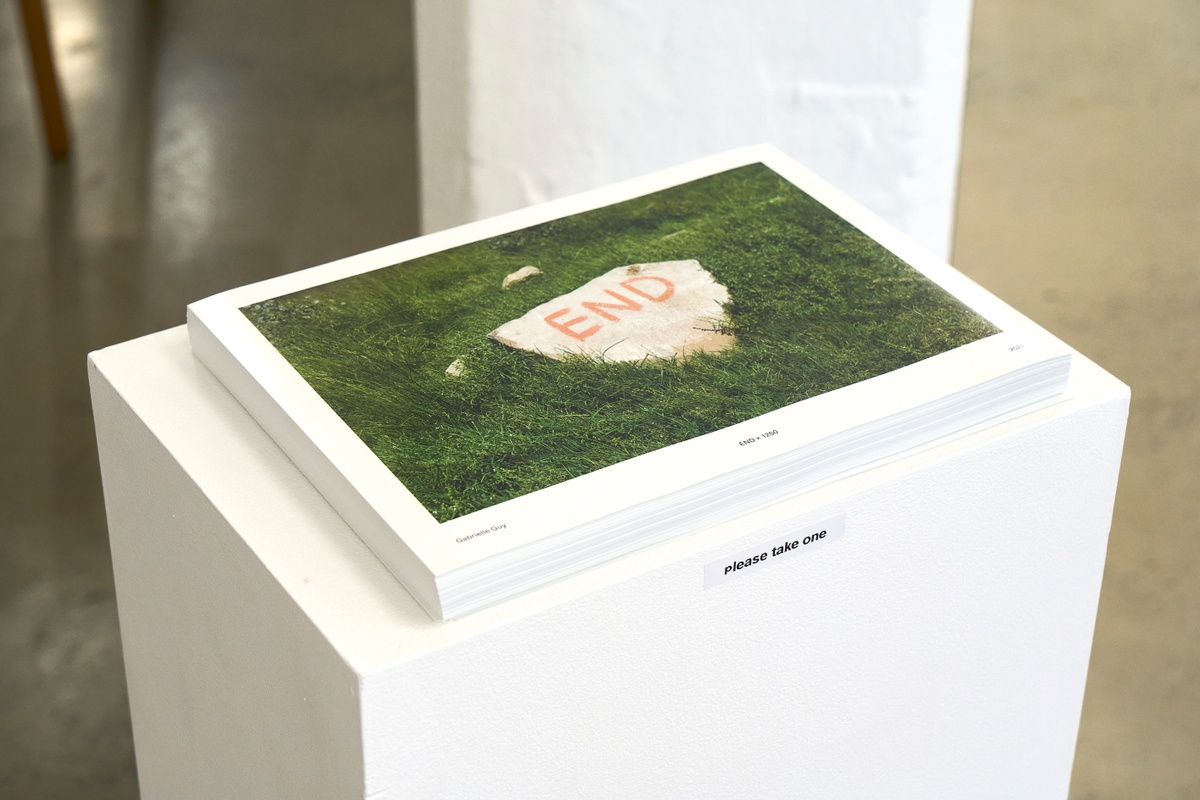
{"x":1080,"y":205}
{"x":223,"y":142}
{"x":217,"y":143}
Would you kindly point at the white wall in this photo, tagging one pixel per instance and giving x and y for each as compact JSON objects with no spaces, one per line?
{"x":521,"y":102}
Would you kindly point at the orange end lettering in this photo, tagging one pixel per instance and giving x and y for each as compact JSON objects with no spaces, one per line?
{"x":566,"y":327}
{"x":625,"y":305}
{"x":667,"y":291}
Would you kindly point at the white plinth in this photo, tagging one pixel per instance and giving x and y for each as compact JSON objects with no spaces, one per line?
{"x":938,"y":650}
{"x":521,"y":103}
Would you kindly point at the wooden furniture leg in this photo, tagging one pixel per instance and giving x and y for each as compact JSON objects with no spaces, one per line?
{"x":49,"y":94}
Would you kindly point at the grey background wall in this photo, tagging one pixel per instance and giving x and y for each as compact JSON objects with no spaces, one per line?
{"x":222,"y":142}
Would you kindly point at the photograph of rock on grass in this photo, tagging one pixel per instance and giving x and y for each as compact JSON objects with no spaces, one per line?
{"x":403,"y":354}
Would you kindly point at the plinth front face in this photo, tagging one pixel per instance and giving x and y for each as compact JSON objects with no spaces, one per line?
{"x":938,"y":647}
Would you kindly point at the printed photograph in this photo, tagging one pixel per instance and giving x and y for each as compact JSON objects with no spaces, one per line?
{"x":498,"y":368}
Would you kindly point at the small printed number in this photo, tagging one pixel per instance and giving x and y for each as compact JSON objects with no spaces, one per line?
{"x":754,"y":439}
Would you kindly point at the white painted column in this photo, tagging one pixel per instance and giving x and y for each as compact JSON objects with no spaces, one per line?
{"x":938,"y":649}
{"x":522,"y":102}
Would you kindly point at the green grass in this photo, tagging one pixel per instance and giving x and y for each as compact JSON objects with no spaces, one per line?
{"x":815,"y":305}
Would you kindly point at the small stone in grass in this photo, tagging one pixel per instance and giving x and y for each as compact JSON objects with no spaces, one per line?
{"x":519,"y":275}
{"x":456,"y":369}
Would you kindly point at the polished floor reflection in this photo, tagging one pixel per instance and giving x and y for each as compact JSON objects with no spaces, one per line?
{"x":215,"y":143}
{"x":220,"y":142}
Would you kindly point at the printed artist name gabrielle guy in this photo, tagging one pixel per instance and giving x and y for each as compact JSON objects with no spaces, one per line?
{"x":483,"y":532}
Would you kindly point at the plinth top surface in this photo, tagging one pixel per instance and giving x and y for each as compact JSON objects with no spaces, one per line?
{"x":363,"y":611}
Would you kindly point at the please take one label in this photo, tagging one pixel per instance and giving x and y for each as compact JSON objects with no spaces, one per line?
{"x":787,"y":540}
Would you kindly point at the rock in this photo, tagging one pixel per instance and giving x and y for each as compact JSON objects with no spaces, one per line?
{"x":519,"y":275}
{"x":665,"y":310}
{"x":456,"y":368}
